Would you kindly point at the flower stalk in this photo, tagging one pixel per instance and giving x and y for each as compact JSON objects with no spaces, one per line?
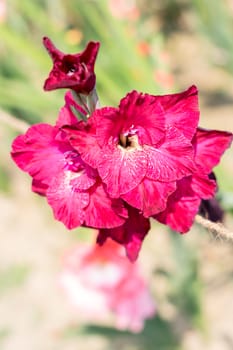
{"x":93,"y":101}
{"x":13,"y":122}
{"x":217,"y":229}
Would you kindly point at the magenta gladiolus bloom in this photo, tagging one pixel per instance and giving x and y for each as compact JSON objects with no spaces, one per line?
{"x":118,"y":167}
{"x":73,"y":189}
{"x":150,"y":153}
{"x":72,"y":71}
{"x":142,"y":148}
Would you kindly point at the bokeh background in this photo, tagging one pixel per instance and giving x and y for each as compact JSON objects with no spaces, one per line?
{"x":158,"y":47}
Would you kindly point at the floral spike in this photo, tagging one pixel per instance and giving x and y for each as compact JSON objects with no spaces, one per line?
{"x":113,"y":168}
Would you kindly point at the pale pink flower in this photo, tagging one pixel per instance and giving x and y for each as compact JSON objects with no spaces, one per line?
{"x":3,"y":11}
{"x":102,"y":284}
{"x":122,"y":9}
{"x":164,"y":78}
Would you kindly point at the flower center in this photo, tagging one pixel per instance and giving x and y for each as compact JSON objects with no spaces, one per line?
{"x":71,"y":66}
{"x":128,"y":141}
{"x":72,"y":160}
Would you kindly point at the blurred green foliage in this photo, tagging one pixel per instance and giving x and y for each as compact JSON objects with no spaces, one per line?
{"x":157,"y":334}
{"x":12,"y":277}
{"x":211,"y":19}
{"x":4,"y":333}
{"x":185,"y":282}
{"x":215,"y":21}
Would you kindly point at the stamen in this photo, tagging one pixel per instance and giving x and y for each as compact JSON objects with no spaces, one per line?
{"x":129,"y":142}
{"x":72,"y":161}
{"x":123,"y":140}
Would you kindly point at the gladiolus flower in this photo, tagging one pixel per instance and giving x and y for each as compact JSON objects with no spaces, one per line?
{"x":101,"y":283}
{"x":72,"y":71}
{"x":142,"y":148}
{"x":121,"y":166}
{"x":73,"y":189}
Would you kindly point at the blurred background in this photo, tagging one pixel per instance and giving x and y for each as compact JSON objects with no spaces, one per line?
{"x":158,"y":47}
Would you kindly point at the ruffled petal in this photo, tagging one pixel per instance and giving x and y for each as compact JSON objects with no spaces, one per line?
{"x":182,"y":206}
{"x":203,"y":186}
{"x":181,"y":216}
{"x":85,"y":144}
{"x":130,"y":235}
{"x":210,"y":145}
{"x":108,"y":124}
{"x":173,"y":160}
{"x":181,"y":110}
{"x":85,"y":177}
{"x":102,"y":211}
{"x":38,"y":153}
{"x":39,"y":188}
{"x":143,"y":112}
{"x":150,"y":196}
{"x":67,"y":202}
{"x":121,"y":170}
